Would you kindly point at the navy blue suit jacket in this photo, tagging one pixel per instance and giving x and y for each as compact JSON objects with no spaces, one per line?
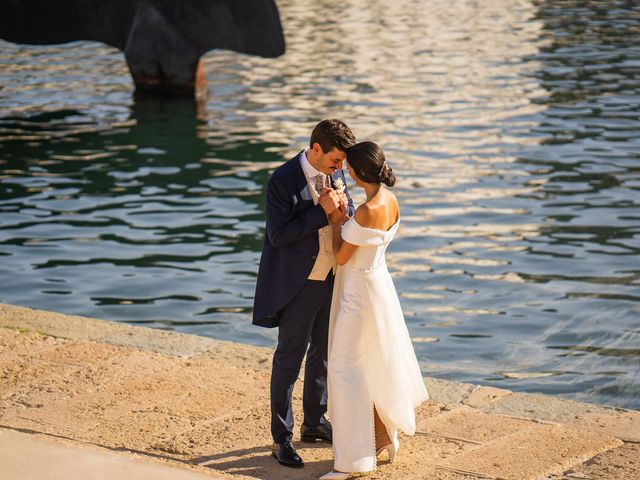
{"x":291,"y":241}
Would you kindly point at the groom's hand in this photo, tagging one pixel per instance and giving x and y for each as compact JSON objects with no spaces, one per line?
{"x":329,"y":201}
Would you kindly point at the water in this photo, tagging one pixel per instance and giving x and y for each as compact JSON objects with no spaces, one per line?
{"x":513,"y":127}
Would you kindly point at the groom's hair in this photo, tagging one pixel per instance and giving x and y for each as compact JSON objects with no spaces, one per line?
{"x":332,"y":133}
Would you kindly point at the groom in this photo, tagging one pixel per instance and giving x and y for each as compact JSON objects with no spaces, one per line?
{"x":295,"y":281}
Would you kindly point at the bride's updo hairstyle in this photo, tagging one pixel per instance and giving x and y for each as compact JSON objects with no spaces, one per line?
{"x":367,"y":159}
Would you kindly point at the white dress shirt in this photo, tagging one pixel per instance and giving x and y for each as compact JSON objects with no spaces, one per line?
{"x":325,"y":260}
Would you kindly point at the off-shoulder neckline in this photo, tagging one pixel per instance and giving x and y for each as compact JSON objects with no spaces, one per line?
{"x":375,"y":229}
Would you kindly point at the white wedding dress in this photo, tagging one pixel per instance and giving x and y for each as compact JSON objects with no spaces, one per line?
{"x":371,"y":358}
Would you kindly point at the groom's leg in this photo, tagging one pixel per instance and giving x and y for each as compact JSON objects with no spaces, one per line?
{"x":296,"y":322}
{"x":314,"y":398}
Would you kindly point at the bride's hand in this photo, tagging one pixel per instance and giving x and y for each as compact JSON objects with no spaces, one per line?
{"x":344,"y":202}
{"x":335,"y":218}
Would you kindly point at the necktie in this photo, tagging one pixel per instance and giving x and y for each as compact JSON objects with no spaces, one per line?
{"x":320,"y":182}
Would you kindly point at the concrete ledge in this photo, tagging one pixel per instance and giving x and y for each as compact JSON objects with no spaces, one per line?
{"x":82,"y":328}
{"x":202,"y":404}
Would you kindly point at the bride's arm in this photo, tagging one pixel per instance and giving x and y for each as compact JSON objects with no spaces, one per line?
{"x":341,"y":250}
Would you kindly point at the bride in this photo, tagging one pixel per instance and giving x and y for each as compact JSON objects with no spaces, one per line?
{"x":374,"y":381}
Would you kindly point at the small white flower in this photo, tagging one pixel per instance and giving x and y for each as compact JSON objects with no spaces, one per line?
{"x":338,"y":185}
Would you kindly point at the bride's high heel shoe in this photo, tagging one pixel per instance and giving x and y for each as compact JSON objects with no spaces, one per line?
{"x":392,"y":448}
{"x":333,"y":475}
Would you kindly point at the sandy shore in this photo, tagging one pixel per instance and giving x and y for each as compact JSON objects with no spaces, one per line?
{"x":187,"y":402}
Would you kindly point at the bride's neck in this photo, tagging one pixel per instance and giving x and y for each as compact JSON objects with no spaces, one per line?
{"x":371,"y":189}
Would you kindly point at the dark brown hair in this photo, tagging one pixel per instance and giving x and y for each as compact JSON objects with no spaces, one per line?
{"x":332,"y":133}
{"x":369,"y":163}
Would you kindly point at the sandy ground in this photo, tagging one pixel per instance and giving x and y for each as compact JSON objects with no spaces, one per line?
{"x":196,"y":402}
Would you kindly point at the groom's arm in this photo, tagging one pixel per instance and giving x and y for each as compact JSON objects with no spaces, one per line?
{"x":282,"y":227}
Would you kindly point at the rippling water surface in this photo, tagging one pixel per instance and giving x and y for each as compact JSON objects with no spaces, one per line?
{"x":514,"y":129}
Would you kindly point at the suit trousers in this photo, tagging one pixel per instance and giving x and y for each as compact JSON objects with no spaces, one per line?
{"x":303,"y":328}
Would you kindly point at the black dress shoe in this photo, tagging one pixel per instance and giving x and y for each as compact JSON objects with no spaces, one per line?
{"x":322,"y":432}
{"x":286,"y":454}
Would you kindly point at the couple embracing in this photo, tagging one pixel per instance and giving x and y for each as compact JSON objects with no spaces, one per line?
{"x":323,"y":281}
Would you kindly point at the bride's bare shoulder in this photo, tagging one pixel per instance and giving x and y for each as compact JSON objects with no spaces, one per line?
{"x":365,"y":215}
{"x":379,"y":214}
{"x":390,"y":200}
